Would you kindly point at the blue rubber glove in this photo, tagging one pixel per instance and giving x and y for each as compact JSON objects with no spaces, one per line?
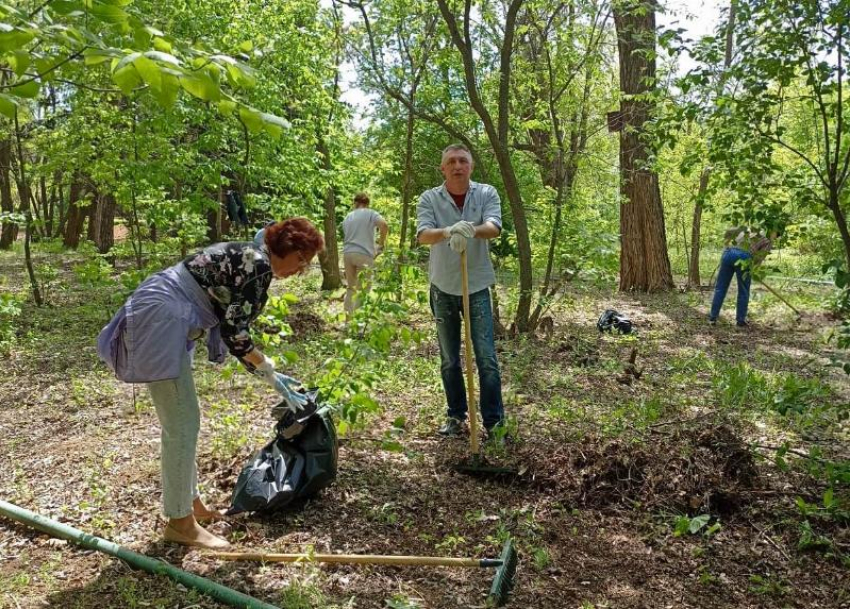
{"x":288,"y":388}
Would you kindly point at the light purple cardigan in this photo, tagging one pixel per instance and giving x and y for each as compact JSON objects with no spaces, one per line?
{"x":148,"y":337}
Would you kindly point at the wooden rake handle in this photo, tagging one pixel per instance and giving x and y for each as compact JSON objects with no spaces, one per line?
{"x":358,"y":559}
{"x":470,"y":377}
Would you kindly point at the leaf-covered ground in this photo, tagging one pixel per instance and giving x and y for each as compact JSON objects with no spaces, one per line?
{"x":667,"y":486}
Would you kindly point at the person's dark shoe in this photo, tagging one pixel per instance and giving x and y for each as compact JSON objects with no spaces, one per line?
{"x":712,"y":321}
{"x":742,"y":324}
{"x":453,"y":427}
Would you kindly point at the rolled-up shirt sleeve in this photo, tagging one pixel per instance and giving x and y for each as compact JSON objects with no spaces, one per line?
{"x":425,"y":216}
{"x":492,"y":211}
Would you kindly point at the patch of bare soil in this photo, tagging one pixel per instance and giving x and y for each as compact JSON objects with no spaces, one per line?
{"x":701,"y":469}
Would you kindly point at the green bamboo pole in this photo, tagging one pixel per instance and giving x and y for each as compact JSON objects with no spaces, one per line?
{"x":146,"y":563}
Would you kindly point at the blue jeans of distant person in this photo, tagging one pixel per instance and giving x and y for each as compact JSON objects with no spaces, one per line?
{"x":447,"y":310}
{"x":733,"y":262}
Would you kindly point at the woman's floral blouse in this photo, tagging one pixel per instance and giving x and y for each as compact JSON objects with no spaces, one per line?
{"x":236,"y":276}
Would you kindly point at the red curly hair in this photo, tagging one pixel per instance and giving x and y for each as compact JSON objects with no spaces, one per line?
{"x":294,"y":235}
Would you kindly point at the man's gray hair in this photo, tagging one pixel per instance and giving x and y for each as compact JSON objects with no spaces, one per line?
{"x":455,"y":148}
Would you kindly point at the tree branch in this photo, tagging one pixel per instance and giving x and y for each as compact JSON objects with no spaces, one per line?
{"x":70,"y":57}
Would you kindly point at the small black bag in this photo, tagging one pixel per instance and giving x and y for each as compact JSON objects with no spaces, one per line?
{"x":297,"y":464}
{"x":612,"y":320}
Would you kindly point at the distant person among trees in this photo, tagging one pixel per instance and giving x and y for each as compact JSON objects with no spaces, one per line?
{"x":359,"y":249}
{"x":462,"y":215}
{"x":219,"y":291}
{"x":746,"y":248}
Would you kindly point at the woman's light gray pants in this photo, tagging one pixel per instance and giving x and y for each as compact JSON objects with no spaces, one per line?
{"x":176,"y":406}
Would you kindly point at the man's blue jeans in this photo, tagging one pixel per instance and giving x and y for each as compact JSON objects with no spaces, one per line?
{"x":447,"y":310}
{"x":733,"y":262}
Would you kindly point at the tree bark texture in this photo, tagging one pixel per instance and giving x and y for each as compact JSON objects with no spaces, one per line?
{"x":644,"y":262}
{"x":104,"y":223}
{"x":9,"y":229}
{"x":78,"y":209}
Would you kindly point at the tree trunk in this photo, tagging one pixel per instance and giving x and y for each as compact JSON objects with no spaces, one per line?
{"x":26,"y":208}
{"x":408,"y":179}
{"x":644,"y":262}
{"x":104,"y":224}
{"x":696,"y":229}
{"x":9,"y":229}
{"x":841,"y":221}
{"x":78,"y":210}
{"x":329,"y":259}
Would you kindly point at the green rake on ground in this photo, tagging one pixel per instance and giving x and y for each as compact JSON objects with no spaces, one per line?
{"x":503,"y":581}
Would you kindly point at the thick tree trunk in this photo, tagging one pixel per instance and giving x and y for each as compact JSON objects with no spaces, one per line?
{"x":329,"y":259}
{"x":104,"y":223}
{"x":78,"y":209}
{"x":644,"y":262}
{"x":9,"y":229}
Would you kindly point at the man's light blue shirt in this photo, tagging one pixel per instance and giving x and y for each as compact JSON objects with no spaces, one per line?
{"x":437,"y":209}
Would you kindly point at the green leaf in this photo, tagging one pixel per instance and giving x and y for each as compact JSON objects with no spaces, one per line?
{"x":274,"y":125}
{"x":109,"y":13}
{"x":162,"y":45}
{"x":28,"y":90}
{"x":828,"y":498}
{"x":149,"y":71}
{"x":20,"y":61}
{"x":226,"y":106}
{"x":252,"y":119}
{"x":7,"y":106}
{"x":200,"y":85}
{"x":12,"y":38}
{"x":167,"y":93}
{"x":127,"y":79}
{"x":290,"y":356}
{"x":64,"y":7}
{"x":163,"y":57}
{"x":93,"y":57}
{"x":246,"y":46}
{"x":698,"y":522}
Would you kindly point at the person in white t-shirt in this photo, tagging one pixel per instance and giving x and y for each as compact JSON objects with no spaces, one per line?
{"x":359,"y":248}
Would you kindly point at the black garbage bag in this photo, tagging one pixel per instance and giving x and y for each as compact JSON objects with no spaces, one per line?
{"x":611,"y":320}
{"x":297,"y":464}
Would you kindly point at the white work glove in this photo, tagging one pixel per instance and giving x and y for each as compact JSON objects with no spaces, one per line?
{"x":286,"y":386}
{"x":458,"y":233}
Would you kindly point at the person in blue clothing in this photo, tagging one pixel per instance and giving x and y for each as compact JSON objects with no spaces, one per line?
{"x":745,"y":249}
{"x":219,"y":291}
{"x":462,"y":215}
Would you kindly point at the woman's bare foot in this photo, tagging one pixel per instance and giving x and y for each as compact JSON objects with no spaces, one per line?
{"x":186,"y":531}
{"x":203,"y":514}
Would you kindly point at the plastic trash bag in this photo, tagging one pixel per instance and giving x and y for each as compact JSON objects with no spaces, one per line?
{"x":297,"y":464}
{"x":612,"y":320}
